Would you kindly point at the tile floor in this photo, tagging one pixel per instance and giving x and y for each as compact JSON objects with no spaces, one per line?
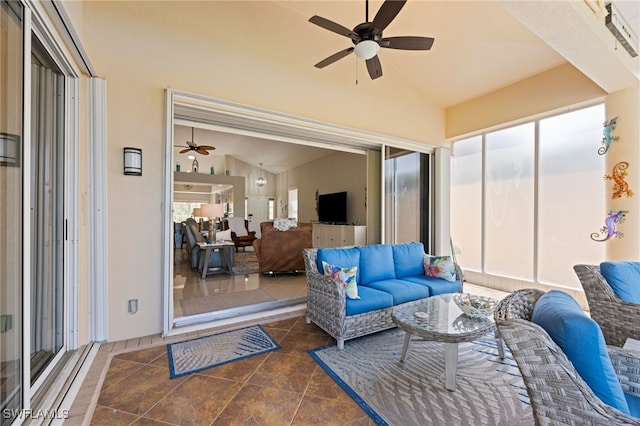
{"x":193,"y":294}
{"x":129,"y":383}
{"x":283,"y":387}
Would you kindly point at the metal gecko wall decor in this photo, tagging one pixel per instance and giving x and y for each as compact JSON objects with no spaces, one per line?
{"x":607,"y":135}
{"x":620,"y":184}
{"x":609,"y":230}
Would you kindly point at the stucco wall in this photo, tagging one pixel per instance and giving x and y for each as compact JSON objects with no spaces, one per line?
{"x":556,"y":88}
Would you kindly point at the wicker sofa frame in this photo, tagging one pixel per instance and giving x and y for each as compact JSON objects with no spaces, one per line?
{"x":327,"y":306}
{"x":617,"y":319}
{"x":557,"y":393}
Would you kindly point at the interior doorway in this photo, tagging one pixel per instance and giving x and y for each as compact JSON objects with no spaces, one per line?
{"x":223,"y":116}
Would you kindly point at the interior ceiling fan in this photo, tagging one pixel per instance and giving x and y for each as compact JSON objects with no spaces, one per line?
{"x":191,"y":146}
{"x":367,"y":37}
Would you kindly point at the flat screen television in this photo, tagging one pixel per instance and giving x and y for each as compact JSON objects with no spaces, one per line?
{"x":332,"y":208}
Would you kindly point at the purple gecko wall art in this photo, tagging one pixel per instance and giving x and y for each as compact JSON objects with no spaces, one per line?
{"x":609,"y":231}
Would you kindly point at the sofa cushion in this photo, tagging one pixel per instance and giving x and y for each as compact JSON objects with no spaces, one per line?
{"x":436,"y":285}
{"x":340,"y":257}
{"x":401,"y":290}
{"x":376,"y":263}
{"x":371,"y":300}
{"x":581,"y":340}
{"x":407,"y":259}
{"x":439,"y":267}
{"x":624,"y":279}
{"x":633,"y":402}
{"x":347,"y":276}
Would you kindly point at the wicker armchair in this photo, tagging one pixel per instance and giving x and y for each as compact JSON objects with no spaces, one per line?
{"x":617,"y":319}
{"x":557,"y":393}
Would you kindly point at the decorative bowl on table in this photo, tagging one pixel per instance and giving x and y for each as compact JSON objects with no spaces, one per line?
{"x":475,"y":306}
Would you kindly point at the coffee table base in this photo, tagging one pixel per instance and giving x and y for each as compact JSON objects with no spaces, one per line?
{"x":450,"y":357}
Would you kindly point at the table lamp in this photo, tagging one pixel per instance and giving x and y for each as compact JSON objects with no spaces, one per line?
{"x":212,"y":211}
{"x":197,"y":213}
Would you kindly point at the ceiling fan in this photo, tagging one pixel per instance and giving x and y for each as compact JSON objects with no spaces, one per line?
{"x":367,"y":37}
{"x":202,"y":149}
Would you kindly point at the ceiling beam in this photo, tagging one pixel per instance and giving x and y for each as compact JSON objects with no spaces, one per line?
{"x":579,"y":34}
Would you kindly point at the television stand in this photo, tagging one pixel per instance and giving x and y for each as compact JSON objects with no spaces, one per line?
{"x":333,"y":235}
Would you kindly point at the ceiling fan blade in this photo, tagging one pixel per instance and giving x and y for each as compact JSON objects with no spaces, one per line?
{"x":202,"y":151}
{"x":386,"y":13}
{"x":374,"y":67}
{"x":185,"y":150}
{"x":207,"y":147}
{"x":191,"y":144}
{"x":407,"y":43}
{"x":333,"y":58}
{"x":332,"y":26}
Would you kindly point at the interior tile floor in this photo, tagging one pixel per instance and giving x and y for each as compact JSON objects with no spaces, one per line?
{"x":193,"y":294}
{"x":128,"y":383}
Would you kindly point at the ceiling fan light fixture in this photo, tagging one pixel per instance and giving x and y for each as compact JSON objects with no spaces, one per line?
{"x":367,"y":49}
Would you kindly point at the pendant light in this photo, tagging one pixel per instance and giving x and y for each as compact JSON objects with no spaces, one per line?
{"x":261,"y":181}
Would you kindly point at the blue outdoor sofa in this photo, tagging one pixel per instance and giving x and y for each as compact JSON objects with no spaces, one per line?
{"x":387,"y":275}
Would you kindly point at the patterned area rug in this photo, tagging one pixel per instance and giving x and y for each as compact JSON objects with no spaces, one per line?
{"x":210,"y":351}
{"x":246,"y":262}
{"x":489,"y":391}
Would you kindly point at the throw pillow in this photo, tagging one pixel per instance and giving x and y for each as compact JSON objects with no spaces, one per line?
{"x":439,"y":267}
{"x":347,"y":276}
{"x":223,"y":235}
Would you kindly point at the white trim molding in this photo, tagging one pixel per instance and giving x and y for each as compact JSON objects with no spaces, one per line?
{"x":97,"y":190}
{"x":442,"y":204}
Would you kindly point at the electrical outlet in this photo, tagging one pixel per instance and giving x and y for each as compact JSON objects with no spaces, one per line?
{"x":6,"y":323}
{"x":132,"y":306}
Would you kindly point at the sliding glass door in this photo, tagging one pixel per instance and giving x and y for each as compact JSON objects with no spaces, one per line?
{"x":37,"y":124}
{"x":406,"y":202}
{"x":11,"y":223}
{"x":47,"y":217}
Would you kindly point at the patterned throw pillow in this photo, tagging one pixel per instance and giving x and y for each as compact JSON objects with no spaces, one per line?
{"x":345,"y":275}
{"x":439,"y":267}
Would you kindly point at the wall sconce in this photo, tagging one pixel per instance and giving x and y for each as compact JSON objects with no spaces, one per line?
{"x":133,"y":161}
{"x":9,"y":149}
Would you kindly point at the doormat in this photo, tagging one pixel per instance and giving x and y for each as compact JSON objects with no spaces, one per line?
{"x":489,"y":391}
{"x":199,"y":354}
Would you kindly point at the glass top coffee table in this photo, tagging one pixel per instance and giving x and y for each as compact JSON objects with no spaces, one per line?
{"x":443,"y":321}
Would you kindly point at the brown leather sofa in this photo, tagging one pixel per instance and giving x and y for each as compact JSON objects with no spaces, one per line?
{"x":281,"y":251}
